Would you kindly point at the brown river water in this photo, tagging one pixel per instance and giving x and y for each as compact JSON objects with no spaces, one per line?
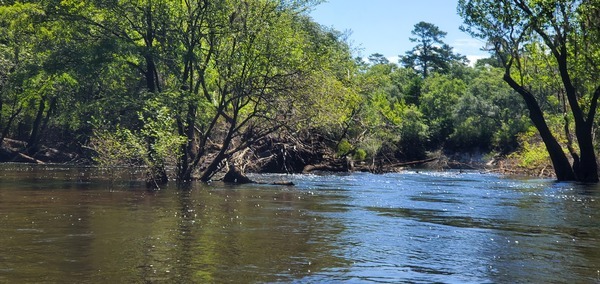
{"x":62,"y":224}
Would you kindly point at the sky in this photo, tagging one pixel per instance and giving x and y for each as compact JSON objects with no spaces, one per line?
{"x":384,"y":26}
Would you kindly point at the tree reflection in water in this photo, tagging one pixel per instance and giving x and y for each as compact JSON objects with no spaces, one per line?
{"x":68,"y":231}
{"x":64,"y":224}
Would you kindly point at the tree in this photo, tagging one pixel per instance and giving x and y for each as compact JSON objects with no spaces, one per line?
{"x":563,"y":30}
{"x":33,"y":86}
{"x":414,"y":135}
{"x":430,"y":54}
{"x":17,"y":59}
{"x":440,"y":95}
{"x":257,"y":65}
{"x":212,"y":77}
{"x":491,"y":107}
{"x":139,"y":35}
{"x":378,"y":58}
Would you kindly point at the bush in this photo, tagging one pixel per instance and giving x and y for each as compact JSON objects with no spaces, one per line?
{"x":360,"y":155}
{"x":533,"y":153}
{"x":343,"y":148}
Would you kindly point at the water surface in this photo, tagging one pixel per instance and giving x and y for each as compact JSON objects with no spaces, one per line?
{"x":66,"y":225}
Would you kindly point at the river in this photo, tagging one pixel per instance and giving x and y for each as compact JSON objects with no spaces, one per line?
{"x":63,"y":224}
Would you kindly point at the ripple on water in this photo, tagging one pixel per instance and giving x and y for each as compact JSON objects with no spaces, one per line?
{"x":448,"y":227}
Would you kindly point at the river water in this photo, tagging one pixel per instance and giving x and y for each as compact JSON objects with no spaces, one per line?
{"x":66,"y":225}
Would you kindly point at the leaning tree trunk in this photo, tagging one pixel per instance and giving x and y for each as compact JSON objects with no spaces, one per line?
{"x":560,"y":162}
{"x":32,"y":142}
{"x":215,"y":164}
{"x":213,"y":167}
{"x":9,"y":123}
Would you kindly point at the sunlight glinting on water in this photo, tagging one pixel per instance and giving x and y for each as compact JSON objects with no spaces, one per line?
{"x":63,"y":224}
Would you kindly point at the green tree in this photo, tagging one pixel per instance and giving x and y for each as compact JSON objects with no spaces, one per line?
{"x":229,"y":72}
{"x":137,"y":36}
{"x":430,"y":54}
{"x":33,"y":86}
{"x":378,"y":58}
{"x":500,"y":104}
{"x":414,"y":135}
{"x":409,"y":84}
{"x":562,"y":28}
{"x":258,"y":65}
{"x":440,"y":95}
{"x":488,"y":116}
{"x":379,"y":116}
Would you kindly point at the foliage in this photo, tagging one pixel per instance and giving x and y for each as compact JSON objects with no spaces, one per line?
{"x":118,"y":147}
{"x":489,"y":116}
{"x":414,"y":135}
{"x":194,"y":85}
{"x":159,"y":126}
{"x":532,"y":154}
{"x":344,"y":147}
{"x":430,"y":54}
{"x":440,"y":94}
{"x":361,"y":154}
{"x":123,"y":147}
{"x":548,"y":42}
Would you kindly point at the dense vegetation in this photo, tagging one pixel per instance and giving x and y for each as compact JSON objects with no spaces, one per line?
{"x":206,"y":84}
{"x":549,"y":47}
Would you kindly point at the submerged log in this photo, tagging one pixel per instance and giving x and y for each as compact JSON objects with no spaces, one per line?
{"x":286,"y":183}
{"x":234,"y":175}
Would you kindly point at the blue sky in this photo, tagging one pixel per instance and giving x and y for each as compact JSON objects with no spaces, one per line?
{"x":384,"y":26}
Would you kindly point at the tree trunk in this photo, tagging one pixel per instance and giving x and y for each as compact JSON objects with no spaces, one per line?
{"x":32,"y":146}
{"x":183,"y":164}
{"x":560,"y":162}
{"x":213,"y":167}
{"x":191,"y":151}
{"x":586,"y":169}
{"x":8,"y":124}
{"x":157,"y":174}
{"x":585,"y":165}
{"x":49,"y":112}
{"x":151,"y":75}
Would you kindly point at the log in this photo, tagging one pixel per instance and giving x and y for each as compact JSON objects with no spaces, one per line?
{"x":286,"y":183}
{"x":412,"y":163}
{"x":20,"y":157}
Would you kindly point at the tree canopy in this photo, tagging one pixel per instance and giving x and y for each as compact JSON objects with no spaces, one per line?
{"x":189,"y":89}
{"x":530,"y":37}
{"x":431,"y":54}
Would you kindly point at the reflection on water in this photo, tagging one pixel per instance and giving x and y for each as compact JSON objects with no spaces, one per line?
{"x":62,"y":224}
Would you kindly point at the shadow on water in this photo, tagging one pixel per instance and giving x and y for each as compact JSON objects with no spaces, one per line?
{"x":67,"y":224}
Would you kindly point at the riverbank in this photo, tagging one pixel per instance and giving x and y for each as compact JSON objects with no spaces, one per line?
{"x":283,"y":158}
{"x":16,"y":151}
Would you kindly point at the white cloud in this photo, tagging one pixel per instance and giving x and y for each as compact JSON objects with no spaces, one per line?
{"x":468,"y":46}
{"x":393,"y":59}
{"x":471,"y":48}
{"x":473,"y":59}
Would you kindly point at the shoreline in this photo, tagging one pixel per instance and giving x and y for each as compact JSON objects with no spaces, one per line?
{"x":14,"y":151}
